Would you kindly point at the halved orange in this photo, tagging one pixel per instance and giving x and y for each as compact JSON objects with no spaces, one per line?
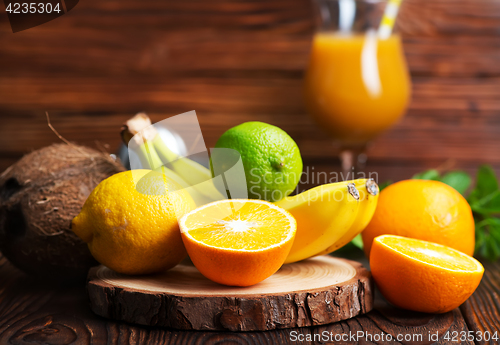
{"x":423,"y":276}
{"x":238,"y":242}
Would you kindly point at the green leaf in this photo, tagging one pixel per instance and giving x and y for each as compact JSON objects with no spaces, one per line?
{"x":495,"y":234}
{"x":486,"y":181}
{"x":494,"y":249}
{"x":384,"y":185}
{"x":432,"y":174}
{"x":480,"y":239}
{"x":491,"y":221}
{"x":459,"y":180}
{"x":488,"y":238}
{"x":488,"y":205}
{"x":486,"y":185}
{"x":358,"y":241}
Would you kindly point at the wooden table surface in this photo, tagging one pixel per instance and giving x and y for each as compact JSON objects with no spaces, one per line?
{"x":36,"y":312}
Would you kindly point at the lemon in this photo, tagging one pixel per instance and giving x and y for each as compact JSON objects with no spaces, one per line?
{"x":271,"y":159}
{"x":129,"y":222}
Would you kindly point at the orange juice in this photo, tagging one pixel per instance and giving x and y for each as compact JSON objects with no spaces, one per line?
{"x":356,"y":86}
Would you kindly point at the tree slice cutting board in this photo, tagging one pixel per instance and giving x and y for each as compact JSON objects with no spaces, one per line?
{"x":316,"y":291}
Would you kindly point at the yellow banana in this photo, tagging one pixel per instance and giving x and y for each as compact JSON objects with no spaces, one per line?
{"x":324,"y":215}
{"x":150,"y":159}
{"x":192,"y":172}
{"x":149,"y":146}
{"x":198,"y":198}
{"x":368,"y":203}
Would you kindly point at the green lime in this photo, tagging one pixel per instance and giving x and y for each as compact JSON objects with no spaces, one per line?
{"x":271,"y":159}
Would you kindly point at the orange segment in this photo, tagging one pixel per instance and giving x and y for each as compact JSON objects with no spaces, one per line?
{"x":431,"y":253}
{"x":423,"y":276}
{"x":238,"y":242}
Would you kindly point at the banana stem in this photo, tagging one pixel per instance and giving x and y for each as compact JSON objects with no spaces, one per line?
{"x":154,"y":154}
{"x":163,"y":151}
{"x":191,"y":171}
{"x":148,"y":156}
{"x":139,"y":129}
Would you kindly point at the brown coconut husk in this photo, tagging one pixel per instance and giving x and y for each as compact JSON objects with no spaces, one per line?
{"x":39,"y":196}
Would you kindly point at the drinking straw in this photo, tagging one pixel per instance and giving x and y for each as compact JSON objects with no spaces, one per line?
{"x":389,"y":18}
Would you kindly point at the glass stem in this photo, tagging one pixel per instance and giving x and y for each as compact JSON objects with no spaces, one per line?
{"x":353,"y":160}
{"x":347,"y":160}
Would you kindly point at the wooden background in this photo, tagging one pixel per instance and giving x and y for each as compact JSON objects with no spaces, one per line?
{"x":234,"y":61}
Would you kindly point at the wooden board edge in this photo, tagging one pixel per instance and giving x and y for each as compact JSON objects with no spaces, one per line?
{"x":241,"y":313}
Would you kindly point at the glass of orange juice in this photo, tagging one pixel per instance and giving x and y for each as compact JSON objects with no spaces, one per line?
{"x":357,"y":83}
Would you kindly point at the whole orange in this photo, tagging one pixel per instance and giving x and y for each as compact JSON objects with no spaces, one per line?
{"x":426,"y":210}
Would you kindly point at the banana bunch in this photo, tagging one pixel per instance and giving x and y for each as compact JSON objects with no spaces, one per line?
{"x":155,"y":154}
{"x":330,"y":216}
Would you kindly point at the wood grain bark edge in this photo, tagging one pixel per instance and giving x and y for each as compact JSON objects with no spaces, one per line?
{"x":242,"y":313}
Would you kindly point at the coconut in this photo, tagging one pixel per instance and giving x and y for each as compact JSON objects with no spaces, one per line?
{"x":39,"y":196}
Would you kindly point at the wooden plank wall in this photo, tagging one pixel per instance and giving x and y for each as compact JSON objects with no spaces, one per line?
{"x":235,"y":61}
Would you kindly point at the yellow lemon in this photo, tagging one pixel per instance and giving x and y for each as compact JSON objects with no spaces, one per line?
{"x":130,"y":222}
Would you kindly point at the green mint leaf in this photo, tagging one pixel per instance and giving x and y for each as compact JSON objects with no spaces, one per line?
{"x":384,"y":185}
{"x":487,"y":205}
{"x":488,"y":238}
{"x":358,"y":241}
{"x":486,"y":184}
{"x":495,"y":234}
{"x":432,"y":174}
{"x":489,"y":221}
{"x":495,"y":222}
{"x":486,"y":252}
{"x":480,"y":239}
{"x":459,"y":180}
{"x":494,"y":249}
{"x":486,"y":181}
